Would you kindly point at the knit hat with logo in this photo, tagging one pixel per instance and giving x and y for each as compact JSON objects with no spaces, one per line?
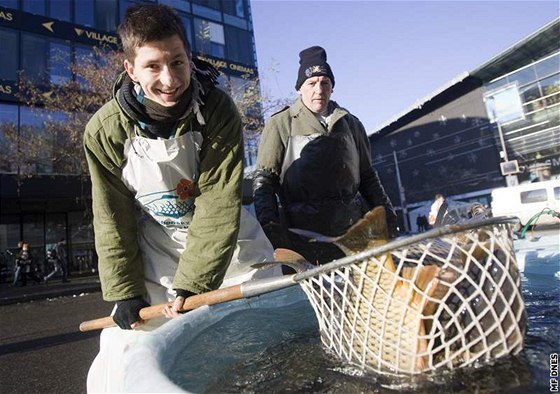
{"x":313,"y":63}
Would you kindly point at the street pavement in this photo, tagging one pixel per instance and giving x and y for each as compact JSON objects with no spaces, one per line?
{"x":41,"y":347}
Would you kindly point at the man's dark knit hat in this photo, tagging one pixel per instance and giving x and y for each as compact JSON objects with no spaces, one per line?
{"x":313,"y":63}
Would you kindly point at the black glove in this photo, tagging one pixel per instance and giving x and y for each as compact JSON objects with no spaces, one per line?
{"x":277,"y":235}
{"x":128,"y":312}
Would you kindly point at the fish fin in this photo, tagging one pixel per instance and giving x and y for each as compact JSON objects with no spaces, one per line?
{"x":370,"y":228}
{"x":288,"y":255}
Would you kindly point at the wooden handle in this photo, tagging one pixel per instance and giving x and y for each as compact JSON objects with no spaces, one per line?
{"x":211,"y":298}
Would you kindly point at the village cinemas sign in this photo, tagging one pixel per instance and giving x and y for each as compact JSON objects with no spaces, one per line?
{"x":54,"y":28}
{"x":221,"y":64}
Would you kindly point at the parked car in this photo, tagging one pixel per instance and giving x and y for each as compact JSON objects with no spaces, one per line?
{"x":527,"y":200}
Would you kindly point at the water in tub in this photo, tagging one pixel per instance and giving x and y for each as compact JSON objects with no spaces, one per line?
{"x":279,"y":350}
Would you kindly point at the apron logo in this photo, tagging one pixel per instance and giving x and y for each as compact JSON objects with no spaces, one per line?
{"x":171,"y":207}
{"x":185,"y":189}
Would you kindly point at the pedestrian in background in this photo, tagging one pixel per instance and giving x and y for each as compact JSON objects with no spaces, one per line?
{"x":314,"y":159}
{"x":58,"y":258}
{"x":437,"y":211}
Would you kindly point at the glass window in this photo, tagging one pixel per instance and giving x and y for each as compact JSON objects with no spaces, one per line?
{"x":13,"y":4}
{"x":83,"y":55}
{"x":123,"y":6}
{"x":8,"y":137}
{"x":33,"y":134}
{"x":214,"y":4}
{"x":234,"y":7}
{"x":34,"y":7}
{"x":82,"y":251}
{"x":529,"y":92}
{"x":83,"y":12}
{"x":549,"y":66}
{"x":209,"y":38}
{"x":531,"y":196}
{"x":59,"y":67}
{"x":8,"y":51}
{"x":34,"y":54}
{"x":557,"y":193}
{"x":33,"y":234}
{"x":182,"y":5}
{"x":187,"y":22}
{"x":525,"y":76}
{"x":106,"y":15}
{"x":208,"y":13}
{"x":9,"y":238}
{"x":551,"y":88}
{"x":239,"y":45}
{"x":60,"y":9}
{"x":55,"y":229}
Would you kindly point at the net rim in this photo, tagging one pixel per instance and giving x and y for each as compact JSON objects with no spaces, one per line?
{"x":402,"y":242}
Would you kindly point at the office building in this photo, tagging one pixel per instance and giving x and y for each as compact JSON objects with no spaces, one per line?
{"x":42,"y":37}
{"x":495,"y":126}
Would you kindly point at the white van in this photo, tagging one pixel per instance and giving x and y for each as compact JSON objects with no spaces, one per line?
{"x":527,"y":200}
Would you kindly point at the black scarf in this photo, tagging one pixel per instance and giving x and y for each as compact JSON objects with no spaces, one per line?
{"x":158,"y":120}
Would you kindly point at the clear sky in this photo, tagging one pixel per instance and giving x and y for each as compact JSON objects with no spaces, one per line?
{"x":388,"y":55}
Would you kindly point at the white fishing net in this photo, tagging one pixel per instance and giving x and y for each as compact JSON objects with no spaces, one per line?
{"x":447,"y":301}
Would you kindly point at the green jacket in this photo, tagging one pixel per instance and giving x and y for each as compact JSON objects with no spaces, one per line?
{"x":212,"y":233}
{"x":319,"y":190}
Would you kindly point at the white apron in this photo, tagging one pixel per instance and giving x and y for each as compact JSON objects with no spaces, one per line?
{"x":161,"y":173}
{"x":153,"y":170}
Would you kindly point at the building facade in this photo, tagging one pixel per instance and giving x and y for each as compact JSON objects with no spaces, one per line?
{"x":41,"y":38}
{"x":496,"y":126}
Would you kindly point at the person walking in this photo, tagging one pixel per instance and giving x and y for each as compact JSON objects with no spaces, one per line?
{"x":437,"y":211}
{"x":58,"y":258}
{"x":314,"y":170}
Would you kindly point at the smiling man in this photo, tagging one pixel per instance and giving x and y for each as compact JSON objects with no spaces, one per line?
{"x":314,"y":157}
{"x":167,"y":142}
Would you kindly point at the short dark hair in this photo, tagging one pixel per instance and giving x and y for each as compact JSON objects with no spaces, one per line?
{"x":149,"y":22}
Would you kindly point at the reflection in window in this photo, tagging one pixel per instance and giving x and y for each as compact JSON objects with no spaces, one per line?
{"x":60,"y":9}
{"x":106,"y":15}
{"x":34,"y":7}
{"x":10,"y":228}
{"x":551,"y":89}
{"x":234,"y":7}
{"x":8,"y":137}
{"x":533,"y":196}
{"x":124,"y":5}
{"x":8,"y":49}
{"x":214,"y":4}
{"x":59,"y":63}
{"x":83,"y":12}
{"x":548,"y":66}
{"x":239,"y":45}
{"x":34,"y":62}
{"x":83,"y":55}
{"x":13,"y":4}
{"x":209,"y":38}
{"x":33,"y":234}
{"x":187,"y":23}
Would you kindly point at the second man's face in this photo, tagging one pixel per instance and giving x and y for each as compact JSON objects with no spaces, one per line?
{"x":316,"y":93}
{"x":162,"y":69}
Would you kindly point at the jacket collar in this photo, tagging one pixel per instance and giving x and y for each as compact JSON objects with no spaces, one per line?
{"x":299,"y":110}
